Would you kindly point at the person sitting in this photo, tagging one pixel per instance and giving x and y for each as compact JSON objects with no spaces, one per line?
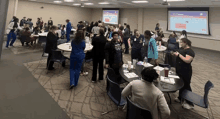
{"x":46,"y":27}
{"x":113,"y":53}
{"x":145,"y":94}
{"x":171,"y":43}
{"x":63,"y":32}
{"x":80,"y":25}
{"x":51,"y":44}
{"x":36,"y":30}
{"x":159,"y":38}
{"x":27,"y":35}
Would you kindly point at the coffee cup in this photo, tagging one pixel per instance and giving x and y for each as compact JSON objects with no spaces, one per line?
{"x":166,"y":71}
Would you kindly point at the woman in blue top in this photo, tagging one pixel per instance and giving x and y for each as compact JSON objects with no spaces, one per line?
{"x":149,"y":49}
{"x":76,"y":57}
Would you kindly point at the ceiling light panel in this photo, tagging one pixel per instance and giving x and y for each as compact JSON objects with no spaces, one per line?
{"x":173,"y":0}
{"x":142,"y":1}
{"x":68,"y":0}
{"x":88,"y":4}
{"x":103,"y":3}
{"x":57,"y":1}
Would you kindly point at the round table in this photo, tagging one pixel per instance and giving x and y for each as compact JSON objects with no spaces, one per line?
{"x":164,"y":87}
{"x":161,"y":49}
{"x":165,"y":39}
{"x":67,"y":47}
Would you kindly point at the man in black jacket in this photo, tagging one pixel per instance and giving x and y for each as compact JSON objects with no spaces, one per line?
{"x":50,"y":22}
{"x":98,"y":54}
{"x":113,"y":53}
{"x":23,"y":21}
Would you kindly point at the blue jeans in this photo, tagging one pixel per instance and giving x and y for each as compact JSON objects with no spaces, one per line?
{"x":68,"y":37}
{"x":75,"y":67}
{"x":13,"y":35}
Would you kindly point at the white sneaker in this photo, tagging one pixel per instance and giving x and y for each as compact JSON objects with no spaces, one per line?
{"x":85,"y":73}
{"x":187,"y":106}
{"x":177,"y":100}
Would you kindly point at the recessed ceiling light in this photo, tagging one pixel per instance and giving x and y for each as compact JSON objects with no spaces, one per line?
{"x":173,"y":0}
{"x":68,"y":0}
{"x":143,"y":1}
{"x":103,"y":3}
{"x":57,"y":1}
{"x":88,"y":3}
{"x":33,"y":0}
{"x":76,"y":4}
{"x":84,"y":0}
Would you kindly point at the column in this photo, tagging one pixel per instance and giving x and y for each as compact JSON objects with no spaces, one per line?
{"x":16,"y":6}
{"x":141,"y":20}
{"x":3,"y":14}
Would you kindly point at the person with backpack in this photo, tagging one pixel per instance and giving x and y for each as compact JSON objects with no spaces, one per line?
{"x":11,"y":32}
{"x":113,"y":53}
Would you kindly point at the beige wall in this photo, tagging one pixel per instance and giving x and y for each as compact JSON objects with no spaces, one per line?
{"x":96,"y":15}
{"x":10,"y":13}
{"x":58,"y":13}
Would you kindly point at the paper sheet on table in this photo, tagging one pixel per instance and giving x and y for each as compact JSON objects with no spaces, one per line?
{"x":68,"y":43}
{"x":125,"y":71}
{"x":167,"y":80}
{"x":159,"y":68}
{"x":173,"y":76}
{"x":147,"y":65}
{"x":131,"y":75}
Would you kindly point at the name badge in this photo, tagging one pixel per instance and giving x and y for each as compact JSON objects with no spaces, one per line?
{"x":135,"y":39}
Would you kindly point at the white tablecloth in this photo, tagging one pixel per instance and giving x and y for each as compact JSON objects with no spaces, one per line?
{"x":165,"y":39}
{"x":73,"y":29}
{"x":67,"y":47}
{"x":162,"y":48}
{"x":43,"y":34}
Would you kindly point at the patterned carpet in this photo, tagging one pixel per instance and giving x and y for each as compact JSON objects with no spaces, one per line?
{"x":88,"y":100}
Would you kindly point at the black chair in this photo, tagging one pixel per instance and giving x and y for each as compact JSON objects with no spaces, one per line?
{"x":23,"y":39}
{"x":44,"y":55}
{"x":117,"y":79}
{"x":136,"y":112}
{"x":198,"y":100}
{"x":57,"y":56}
{"x":114,"y":92}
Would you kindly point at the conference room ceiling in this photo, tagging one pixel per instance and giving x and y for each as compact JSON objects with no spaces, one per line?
{"x":129,"y":4}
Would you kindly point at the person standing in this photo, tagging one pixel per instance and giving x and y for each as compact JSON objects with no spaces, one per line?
{"x":137,"y":45}
{"x":76,"y":57}
{"x":185,"y":56}
{"x":30,"y":23}
{"x":95,"y":30}
{"x":23,"y":21}
{"x":51,"y":44}
{"x":68,"y":29}
{"x":38,"y":22}
{"x":13,"y":18}
{"x":98,"y":54}
{"x":157,"y":28}
{"x":80,"y":25}
{"x":126,"y":37}
{"x":50,"y":22}
{"x":11,"y":30}
{"x":113,"y":53}
{"x":149,"y":49}
{"x":41,"y":23}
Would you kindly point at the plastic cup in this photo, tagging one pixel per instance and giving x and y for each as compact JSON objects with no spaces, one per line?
{"x":166,"y":71}
{"x":134,"y":63}
{"x":129,"y":65}
{"x":160,"y":44}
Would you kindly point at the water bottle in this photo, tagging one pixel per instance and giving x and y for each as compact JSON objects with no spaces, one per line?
{"x":145,"y":60}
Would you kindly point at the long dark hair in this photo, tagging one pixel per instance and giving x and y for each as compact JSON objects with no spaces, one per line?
{"x":79,"y":37}
{"x":187,"y":41}
{"x":184,"y":33}
{"x":15,"y":23}
{"x":128,"y":26}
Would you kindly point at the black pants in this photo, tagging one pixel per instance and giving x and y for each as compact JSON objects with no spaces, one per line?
{"x":96,"y":62}
{"x":125,"y":40}
{"x":136,"y":54}
{"x":50,"y":63}
{"x":186,"y":77}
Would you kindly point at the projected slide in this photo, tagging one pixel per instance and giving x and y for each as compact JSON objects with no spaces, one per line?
{"x":191,"y":21}
{"x":110,"y":16}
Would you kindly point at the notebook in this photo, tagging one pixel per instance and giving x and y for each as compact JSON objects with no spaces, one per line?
{"x":131,"y":75}
{"x":167,"y":80}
